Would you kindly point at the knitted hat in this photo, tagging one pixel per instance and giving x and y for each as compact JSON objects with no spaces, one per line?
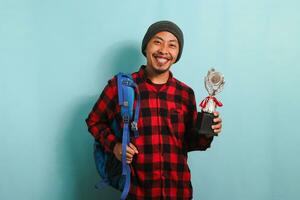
{"x":163,"y":26}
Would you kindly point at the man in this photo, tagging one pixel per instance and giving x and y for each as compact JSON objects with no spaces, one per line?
{"x":158,"y":157}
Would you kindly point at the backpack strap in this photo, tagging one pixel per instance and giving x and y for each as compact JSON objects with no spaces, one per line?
{"x":126,"y":100}
{"x":125,"y":166}
{"x":134,"y":127}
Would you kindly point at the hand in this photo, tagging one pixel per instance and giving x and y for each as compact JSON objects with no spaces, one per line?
{"x":217,"y":127}
{"x":131,"y":150}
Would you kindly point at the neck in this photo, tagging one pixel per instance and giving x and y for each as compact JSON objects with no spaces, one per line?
{"x":157,"y":78}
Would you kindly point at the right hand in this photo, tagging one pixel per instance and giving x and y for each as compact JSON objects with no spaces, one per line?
{"x":131,"y":150}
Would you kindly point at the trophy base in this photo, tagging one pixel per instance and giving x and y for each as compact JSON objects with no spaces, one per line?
{"x":204,"y":123}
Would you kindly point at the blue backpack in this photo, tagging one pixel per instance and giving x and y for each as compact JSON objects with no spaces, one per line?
{"x":112,"y":171}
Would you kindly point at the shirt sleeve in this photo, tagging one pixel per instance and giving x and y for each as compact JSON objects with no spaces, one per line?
{"x":193,"y":140}
{"x":102,"y":115}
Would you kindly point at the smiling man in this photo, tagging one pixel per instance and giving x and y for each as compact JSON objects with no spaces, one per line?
{"x":158,"y":157}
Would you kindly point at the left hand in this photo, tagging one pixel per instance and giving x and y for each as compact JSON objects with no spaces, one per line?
{"x":217,"y":127}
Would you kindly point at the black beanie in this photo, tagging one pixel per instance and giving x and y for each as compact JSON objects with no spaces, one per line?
{"x":163,"y":26}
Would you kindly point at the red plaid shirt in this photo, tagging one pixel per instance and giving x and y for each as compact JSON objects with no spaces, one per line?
{"x":160,"y":170}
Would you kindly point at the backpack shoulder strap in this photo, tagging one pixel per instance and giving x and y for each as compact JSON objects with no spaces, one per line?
{"x":126,"y":89}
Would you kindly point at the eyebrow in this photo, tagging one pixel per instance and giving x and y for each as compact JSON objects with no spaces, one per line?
{"x":163,"y":39}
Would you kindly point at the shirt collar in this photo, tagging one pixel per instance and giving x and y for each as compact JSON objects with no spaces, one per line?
{"x":143,"y":74}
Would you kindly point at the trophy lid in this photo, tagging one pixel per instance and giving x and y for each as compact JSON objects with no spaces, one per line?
{"x":214,"y":82}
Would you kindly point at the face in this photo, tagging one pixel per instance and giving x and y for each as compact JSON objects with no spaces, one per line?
{"x":161,"y":52}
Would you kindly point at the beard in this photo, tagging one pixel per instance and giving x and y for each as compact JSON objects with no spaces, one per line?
{"x":161,"y":71}
{"x":159,"y":68}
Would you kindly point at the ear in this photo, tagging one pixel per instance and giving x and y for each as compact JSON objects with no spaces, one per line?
{"x":145,"y":51}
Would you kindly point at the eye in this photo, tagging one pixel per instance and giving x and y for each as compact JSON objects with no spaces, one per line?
{"x":156,"y":42}
{"x":173,"y":46}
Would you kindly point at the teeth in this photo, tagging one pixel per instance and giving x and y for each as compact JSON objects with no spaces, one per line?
{"x":162,"y":60}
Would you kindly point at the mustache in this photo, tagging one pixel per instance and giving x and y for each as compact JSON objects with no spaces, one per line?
{"x":164,"y":55}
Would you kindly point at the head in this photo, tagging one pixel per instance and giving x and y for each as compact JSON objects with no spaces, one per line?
{"x":162,"y":45}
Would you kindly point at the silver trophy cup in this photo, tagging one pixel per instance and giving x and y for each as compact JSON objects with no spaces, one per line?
{"x":214,"y":83}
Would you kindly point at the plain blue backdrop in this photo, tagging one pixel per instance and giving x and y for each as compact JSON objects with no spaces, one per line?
{"x":56,"y":57}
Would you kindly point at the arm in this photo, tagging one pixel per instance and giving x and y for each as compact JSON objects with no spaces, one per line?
{"x":102,"y":114}
{"x":194,"y":141}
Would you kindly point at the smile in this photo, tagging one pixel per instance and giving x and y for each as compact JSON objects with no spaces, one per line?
{"x":161,"y":60}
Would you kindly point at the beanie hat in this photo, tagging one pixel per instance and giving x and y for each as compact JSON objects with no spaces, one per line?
{"x":163,"y":26}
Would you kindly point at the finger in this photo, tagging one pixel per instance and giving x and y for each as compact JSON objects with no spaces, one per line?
{"x":118,"y":149}
{"x":133,"y":147}
{"x":130,"y":150}
{"x":129,"y":156}
{"x":217,"y":126}
{"x":128,"y":161}
{"x":217,"y":131}
{"x":216,"y":113}
{"x":217,"y":119}
{"x":119,"y":158}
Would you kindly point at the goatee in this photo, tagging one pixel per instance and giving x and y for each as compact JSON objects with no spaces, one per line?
{"x":161,"y":71}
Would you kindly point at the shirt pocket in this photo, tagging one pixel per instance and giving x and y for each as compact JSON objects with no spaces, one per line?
{"x":176,"y":123}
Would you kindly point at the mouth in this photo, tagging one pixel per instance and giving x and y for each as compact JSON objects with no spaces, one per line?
{"x":161,"y":60}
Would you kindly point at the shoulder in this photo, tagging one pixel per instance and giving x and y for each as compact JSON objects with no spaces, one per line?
{"x":112,"y":82}
{"x":110,"y":88}
{"x":136,"y":77}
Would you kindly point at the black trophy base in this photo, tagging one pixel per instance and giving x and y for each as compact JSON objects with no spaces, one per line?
{"x":204,"y":123}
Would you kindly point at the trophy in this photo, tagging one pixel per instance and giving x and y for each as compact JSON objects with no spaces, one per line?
{"x":214,"y":82}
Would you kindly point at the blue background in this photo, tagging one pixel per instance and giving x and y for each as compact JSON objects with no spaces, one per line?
{"x":56,"y":57}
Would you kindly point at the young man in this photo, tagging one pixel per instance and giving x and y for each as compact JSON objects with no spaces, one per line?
{"x":158,"y":157}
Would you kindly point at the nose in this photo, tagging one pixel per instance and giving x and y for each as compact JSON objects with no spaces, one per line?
{"x":163,"y":48}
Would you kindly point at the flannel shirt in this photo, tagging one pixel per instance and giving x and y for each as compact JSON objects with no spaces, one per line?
{"x":160,"y":169}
